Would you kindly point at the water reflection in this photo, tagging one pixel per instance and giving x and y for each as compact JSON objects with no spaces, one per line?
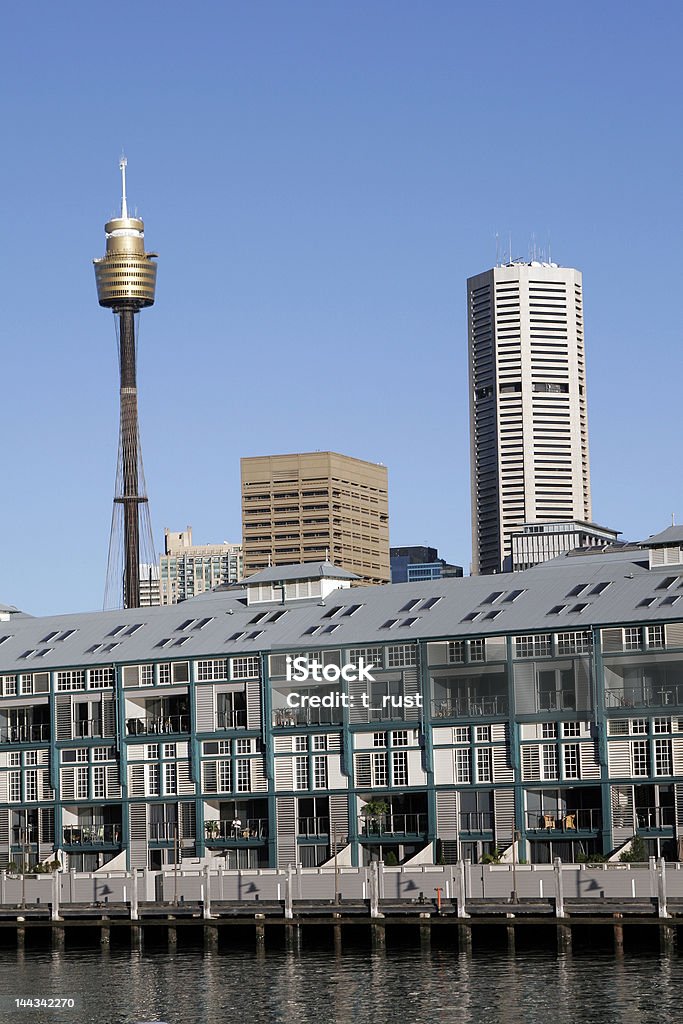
{"x":191,"y":987}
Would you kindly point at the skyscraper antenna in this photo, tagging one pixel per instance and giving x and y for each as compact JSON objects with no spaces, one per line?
{"x":123,"y":163}
{"x":497,"y":249}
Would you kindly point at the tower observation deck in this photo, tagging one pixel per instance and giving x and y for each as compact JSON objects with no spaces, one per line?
{"x":126,"y":283}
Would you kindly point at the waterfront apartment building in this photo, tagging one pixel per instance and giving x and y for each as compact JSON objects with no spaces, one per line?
{"x":547,"y":703}
{"x":528,"y":407}
{"x":534,"y":543}
{"x":187,"y":569}
{"x":313,"y":507}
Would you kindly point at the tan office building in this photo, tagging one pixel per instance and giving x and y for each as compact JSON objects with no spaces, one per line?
{"x":313,"y":507}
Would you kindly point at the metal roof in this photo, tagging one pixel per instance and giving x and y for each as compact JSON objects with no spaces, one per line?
{"x":672,"y":535}
{"x":572,"y":594}
{"x":300,"y":571}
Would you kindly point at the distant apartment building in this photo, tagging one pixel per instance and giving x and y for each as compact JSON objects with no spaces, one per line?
{"x":419,"y":563}
{"x":528,"y":406}
{"x":538,"y":542}
{"x":187,"y":569}
{"x":149,"y":586}
{"x":314,"y":507}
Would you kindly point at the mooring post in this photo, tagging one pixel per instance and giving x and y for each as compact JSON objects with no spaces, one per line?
{"x":564,"y":939}
{"x":662,"y":910}
{"x":207,"y":891}
{"x":56,"y":885}
{"x":559,"y":888}
{"x":134,"y":896}
{"x":461,"y":897}
{"x":289,"y":905}
{"x":374,"y":890}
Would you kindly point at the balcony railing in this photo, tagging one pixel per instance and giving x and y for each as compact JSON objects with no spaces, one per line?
{"x":91,"y":835}
{"x":476,"y":821}
{"x":162,"y":831}
{"x":393,"y":825}
{"x":232,"y":719}
{"x":25,"y":733}
{"x":653,"y":818}
{"x":645,"y":697}
{"x":560,"y":701}
{"x":157,"y":726}
{"x":313,"y":827}
{"x":469,"y":707}
{"x":581,"y":820}
{"x":228,"y":830}
{"x":88,"y":727}
{"x":288,"y":718}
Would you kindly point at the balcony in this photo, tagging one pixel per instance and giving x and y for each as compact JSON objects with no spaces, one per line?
{"x":158,"y":726}
{"x":393,"y":825}
{"x":654,"y":819}
{"x":91,"y":835}
{"x":232,"y":719}
{"x":561,"y":700}
{"x":645,"y":697}
{"x":25,"y":733}
{"x":87,"y":727}
{"x":224,"y":831}
{"x":569,"y":822}
{"x":468,"y":707}
{"x":289,"y":718}
{"x":476,"y":821}
{"x":308,"y":827}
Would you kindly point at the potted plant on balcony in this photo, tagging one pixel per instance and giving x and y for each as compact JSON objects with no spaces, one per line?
{"x":373,"y":812}
{"x":212,"y":829}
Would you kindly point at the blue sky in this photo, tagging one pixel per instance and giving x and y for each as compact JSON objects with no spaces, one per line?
{"x":320,"y":179}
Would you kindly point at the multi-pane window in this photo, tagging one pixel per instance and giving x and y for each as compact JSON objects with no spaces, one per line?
{"x":456,"y":652}
{"x":214,"y":668}
{"x":400,"y":655}
{"x":14,"y":759}
{"x":379,"y":739}
{"x":655,"y":636}
{"x":639,"y":725}
{"x":153,"y":780}
{"x":146,"y":675}
{"x":318,"y":742}
{"x":533,"y":646}
{"x":81,"y":783}
{"x":661,"y":725}
{"x":482,"y":734}
{"x":399,"y":768}
{"x":152,"y":752}
{"x":462,"y":764}
{"x":570,"y":754}
{"x":483,"y":764}
{"x":169,"y":750}
{"x":301,"y":773}
{"x":99,"y":784}
{"x":632,"y":638}
{"x":102,"y":753}
{"x":640,"y":761}
{"x":31,"y":757}
{"x":320,"y":773}
{"x":26,"y":683}
{"x":663,"y":762}
{"x":14,"y":787}
{"x":243,"y":772}
{"x":223,"y":775}
{"x":9,"y":686}
{"x":461,"y":734}
{"x":571,"y":729}
{"x":578,"y":642}
{"x":98,"y":678}
{"x":243,"y":746}
{"x":379,"y":769}
{"x":370,"y":655}
{"x":549,"y":730}
{"x":170,"y":778}
{"x":549,"y":758}
{"x":476,"y":650}
{"x":31,"y":785}
{"x":244,"y":668}
{"x":164,"y":674}
{"x":74,"y":679}
{"x":399,"y":738}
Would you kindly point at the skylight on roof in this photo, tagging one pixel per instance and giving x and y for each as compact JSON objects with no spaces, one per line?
{"x":409,"y":605}
{"x":257,"y":618}
{"x":494,"y":613}
{"x":667,"y":582}
{"x":388,"y":624}
{"x":256,"y":634}
{"x":646,"y":602}
{"x":4,"y":639}
{"x":513,"y":595}
{"x":671,"y":599}
{"x":236,"y":636}
{"x":471,"y":617}
{"x":430,"y":603}
{"x":578,"y":590}
{"x":492,"y":598}
{"x":410,"y":621}
{"x":275,"y":616}
{"x":557,"y":609}
{"x":332,"y":611}
{"x":600,"y":588}
{"x":50,"y":636}
{"x":351,"y":610}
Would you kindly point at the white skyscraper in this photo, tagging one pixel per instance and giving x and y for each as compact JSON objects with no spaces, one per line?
{"x":528,"y":416}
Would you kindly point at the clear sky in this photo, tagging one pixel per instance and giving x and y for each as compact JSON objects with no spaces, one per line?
{"x":320,"y":178}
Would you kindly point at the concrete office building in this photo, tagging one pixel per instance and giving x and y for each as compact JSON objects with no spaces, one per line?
{"x":528,"y":410}
{"x":314,"y":507}
{"x":187,"y":569}
{"x":547,"y":703}
{"x":534,"y":543}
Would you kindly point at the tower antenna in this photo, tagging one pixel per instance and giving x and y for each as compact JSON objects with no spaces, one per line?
{"x":123,"y":163}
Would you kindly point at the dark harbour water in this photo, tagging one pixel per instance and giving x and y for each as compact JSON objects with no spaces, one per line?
{"x":357,"y":987}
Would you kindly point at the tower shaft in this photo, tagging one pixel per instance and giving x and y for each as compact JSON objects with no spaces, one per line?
{"x":130,"y":455}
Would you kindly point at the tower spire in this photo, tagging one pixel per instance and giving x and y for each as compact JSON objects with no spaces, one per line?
{"x":123,"y":163}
